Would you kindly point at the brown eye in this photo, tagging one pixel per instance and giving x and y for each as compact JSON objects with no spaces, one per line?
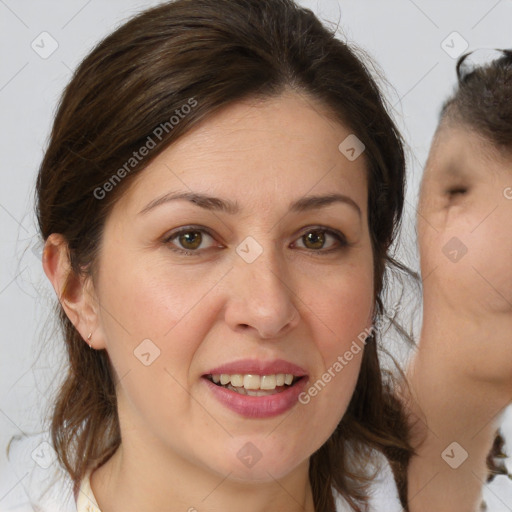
{"x":322,"y":241}
{"x":190,"y":239}
{"x":314,"y":239}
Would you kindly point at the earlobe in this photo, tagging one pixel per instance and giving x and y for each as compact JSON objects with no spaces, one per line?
{"x":73,"y":291}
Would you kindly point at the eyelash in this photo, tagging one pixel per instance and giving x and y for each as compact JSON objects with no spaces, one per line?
{"x":340,"y":238}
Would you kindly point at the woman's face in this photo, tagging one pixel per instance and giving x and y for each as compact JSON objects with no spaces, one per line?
{"x":464,"y":227}
{"x":465,"y":221}
{"x":263,"y":267}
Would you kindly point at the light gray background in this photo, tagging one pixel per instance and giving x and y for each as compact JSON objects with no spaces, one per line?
{"x":405,"y":37}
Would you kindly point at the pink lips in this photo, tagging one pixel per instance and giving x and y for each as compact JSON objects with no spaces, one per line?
{"x":258,"y":406}
{"x":255,"y":367}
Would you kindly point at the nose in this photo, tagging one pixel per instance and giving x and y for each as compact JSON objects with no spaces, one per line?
{"x":261,"y":297}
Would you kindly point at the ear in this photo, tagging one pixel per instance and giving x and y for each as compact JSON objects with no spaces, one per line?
{"x":76,"y":293}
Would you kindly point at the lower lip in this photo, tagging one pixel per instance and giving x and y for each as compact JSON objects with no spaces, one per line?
{"x":258,"y":406}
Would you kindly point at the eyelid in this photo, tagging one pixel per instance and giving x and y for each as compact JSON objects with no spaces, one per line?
{"x":338,"y":235}
{"x":455,"y":193}
{"x":186,"y":229}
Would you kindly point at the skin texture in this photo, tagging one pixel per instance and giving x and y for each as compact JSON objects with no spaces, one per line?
{"x":461,"y":376}
{"x":179,"y":444}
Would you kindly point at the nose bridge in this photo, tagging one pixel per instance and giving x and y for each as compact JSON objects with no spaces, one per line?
{"x":260,"y":295}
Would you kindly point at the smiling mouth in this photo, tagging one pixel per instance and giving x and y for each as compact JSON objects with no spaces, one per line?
{"x":255,"y":385}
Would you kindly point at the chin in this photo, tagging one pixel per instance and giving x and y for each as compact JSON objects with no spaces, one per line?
{"x":246,"y":463}
{"x":260,"y":473}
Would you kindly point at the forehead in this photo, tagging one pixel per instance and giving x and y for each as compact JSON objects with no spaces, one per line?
{"x":459,"y":151}
{"x":258,"y":150}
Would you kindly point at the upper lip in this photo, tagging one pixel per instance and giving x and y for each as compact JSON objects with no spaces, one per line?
{"x":258,"y":367}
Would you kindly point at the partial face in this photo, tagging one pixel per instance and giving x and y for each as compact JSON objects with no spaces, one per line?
{"x":464,"y":224}
{"x":263,"y":284}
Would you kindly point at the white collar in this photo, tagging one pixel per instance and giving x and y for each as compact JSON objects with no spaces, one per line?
{"x":86,"y":501}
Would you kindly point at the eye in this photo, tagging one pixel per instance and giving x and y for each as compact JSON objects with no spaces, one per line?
{"x":189,"y":241}
{"x":193,"y":241}
{"x":456,"y":191}
{"x":316,"y":240}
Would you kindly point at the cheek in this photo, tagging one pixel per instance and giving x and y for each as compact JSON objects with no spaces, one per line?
{"x":490,"y":256}
{"x":430,"y":225}
{"x":340,"y":320}
{"x":154,"y":318}
{"x":468,"y":260}
{"x":150,"y":299}
{"x":342,"y":312}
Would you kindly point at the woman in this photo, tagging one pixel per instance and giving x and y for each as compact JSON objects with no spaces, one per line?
{"x":217,"y":200}
{"x":465,"y":246}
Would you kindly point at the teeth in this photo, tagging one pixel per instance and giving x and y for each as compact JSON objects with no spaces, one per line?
{"x":250,"y":382}
{"x":268,"y":382}
{"x":237,"y":380}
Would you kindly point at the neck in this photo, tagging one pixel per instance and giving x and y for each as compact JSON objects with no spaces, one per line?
{"x":144,"y":478}
{"x":459,"y":389}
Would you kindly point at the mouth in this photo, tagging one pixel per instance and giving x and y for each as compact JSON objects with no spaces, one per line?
{"x":257,"y":389}
{"x":255,"y":385}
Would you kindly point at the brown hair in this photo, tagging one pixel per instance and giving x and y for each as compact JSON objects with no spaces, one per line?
{"x":481,"y":99}
{"x":213,"y":53}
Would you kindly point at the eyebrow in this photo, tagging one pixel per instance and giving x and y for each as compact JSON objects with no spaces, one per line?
{"x":225,"y":205}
